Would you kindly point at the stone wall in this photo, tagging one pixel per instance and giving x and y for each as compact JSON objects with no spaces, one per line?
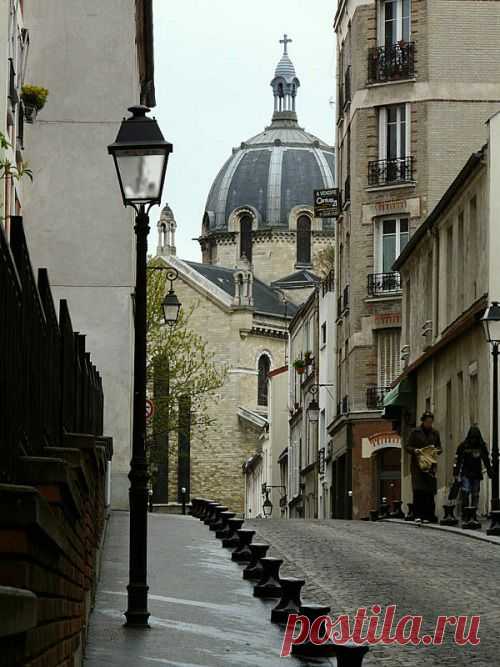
{"x":52,"y":524}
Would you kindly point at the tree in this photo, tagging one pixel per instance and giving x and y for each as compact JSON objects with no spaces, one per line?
{"x":180,"y":370}
{"x":325,"y":260}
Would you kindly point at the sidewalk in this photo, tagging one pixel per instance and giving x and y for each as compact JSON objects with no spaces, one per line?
{"x":479,"y":534}
{"x":202,"y":610}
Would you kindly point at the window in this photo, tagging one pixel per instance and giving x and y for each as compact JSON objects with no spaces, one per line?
{"x":393,"y":235}
{"x":246,"y":237}
{"x":388,"y":356}
{"x":323,"y":333}
{"x":473,"y":245}
{"x":461,"y":261}
{"x":473,"y":399}
{"x":450,"y":277}
{"x":304,"y":240}
{"x":394,"y":25}
{"x":393,"y":131}
{"x":263,"y":386}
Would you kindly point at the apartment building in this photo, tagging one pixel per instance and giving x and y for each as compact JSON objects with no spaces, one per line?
{"x":416,"y":81}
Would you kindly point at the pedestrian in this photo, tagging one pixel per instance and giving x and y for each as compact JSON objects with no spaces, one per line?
{"x":424,"y":445}
{"x":472,"y":453}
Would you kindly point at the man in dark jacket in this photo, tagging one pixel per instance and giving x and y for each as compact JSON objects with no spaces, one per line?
{"x":423,"y":477}
{"x":471,"y":455}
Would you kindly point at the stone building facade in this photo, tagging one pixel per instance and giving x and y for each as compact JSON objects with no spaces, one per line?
{"x":73,"y":212}
{"x":449,"y":275}
{"x":412,"y":102}
{"x":259,"y":242}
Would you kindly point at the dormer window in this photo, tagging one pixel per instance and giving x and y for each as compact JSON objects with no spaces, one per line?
{"x":304,"y":240}
{"x":246,"y":237}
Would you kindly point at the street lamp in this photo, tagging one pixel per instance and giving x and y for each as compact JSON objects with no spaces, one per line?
{"x":491,"y":325}
{"x":140,"y":154}
{"x":171,"y":304}
{"x":313,"y":411}
{"x":267,"y":506}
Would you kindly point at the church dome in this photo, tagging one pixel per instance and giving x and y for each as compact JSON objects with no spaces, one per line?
{"x":275,"y":172}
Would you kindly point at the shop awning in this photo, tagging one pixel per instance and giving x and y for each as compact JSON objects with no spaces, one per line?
{"x":402,"y":396}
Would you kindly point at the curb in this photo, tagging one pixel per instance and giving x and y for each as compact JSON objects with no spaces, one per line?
{"x":473,"y":534}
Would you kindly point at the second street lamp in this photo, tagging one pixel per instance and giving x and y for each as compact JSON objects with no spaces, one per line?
{"x":171,"y":304}
{"x":140,"y":154}
{"x":491,"y":325}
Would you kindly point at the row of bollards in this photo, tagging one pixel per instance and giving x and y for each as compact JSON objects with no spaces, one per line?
{"x":394,"y":510}
{"x":264,"y":571}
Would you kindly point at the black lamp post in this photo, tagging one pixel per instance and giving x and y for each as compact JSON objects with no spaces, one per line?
{"x":171,"y":304}
{"x":267,"y":506}
{"x":491,"y":324}
{"x":140,"y":154}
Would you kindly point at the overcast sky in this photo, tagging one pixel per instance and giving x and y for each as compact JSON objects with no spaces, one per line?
{"x":214,"y":62}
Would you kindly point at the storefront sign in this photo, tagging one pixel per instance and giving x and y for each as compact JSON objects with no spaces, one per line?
{"x":387,"y":319}
{"x":326,"y":203}
{"x":392,"y":205}
{"x":379,"y":441}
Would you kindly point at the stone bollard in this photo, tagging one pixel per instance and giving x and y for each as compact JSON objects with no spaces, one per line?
{"x":210,"y":516}
{"x":307,"y":649}
{"x":269,"y":586}
{"x":232,"y":540}
{"x":290,"y":602}
{"x":224,"y":531}
{"x":374,"y":515}
{"x":384,"y":509}
{"x":470,"y":521}
{"x":200,"y":506}
{"x":254,"y":568}
{"x":411,"y":514}
{"x":242,"y":553}
{"x":449,"y":518}
{"x":349,"y":654}
{"x":194,"y":504}
{"x":396,"y":511}
{"x":494,"y":528}
{"x":217,"y":522}
{"x":209,"y":504}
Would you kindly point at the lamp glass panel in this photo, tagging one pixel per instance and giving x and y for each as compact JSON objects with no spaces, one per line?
{"x":141,"y":173}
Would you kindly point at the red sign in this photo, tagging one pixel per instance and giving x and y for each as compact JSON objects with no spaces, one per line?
{"x":150,"y":409}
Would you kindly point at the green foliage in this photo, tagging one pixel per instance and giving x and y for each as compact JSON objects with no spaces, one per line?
{"x":179,"y":367}
{"x":9,"y":170}
{"x":34,"y":96}
{"x":325,"y":260}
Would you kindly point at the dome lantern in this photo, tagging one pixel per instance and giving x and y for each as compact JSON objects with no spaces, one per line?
{"x":285,"y":86}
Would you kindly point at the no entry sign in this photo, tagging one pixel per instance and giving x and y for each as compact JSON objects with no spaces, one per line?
{"x":150,"y":409}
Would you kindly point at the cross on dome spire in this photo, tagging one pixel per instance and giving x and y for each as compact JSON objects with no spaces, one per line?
{"x":285,"y":41}
{"x":285,"y":85}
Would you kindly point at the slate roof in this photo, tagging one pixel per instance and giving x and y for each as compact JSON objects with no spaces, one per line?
{"x":266,"y":299}
{"x":299,"y":279}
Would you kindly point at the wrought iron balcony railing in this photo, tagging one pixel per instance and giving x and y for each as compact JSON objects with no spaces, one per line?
{"x":345,"y":405}
{"x":13,"y":96}
{"x":391,"y":63}
{"x":383,"y":283}
{"x":387,"y":172}
{"x":375,"y":397}
{"x":345,"y":300}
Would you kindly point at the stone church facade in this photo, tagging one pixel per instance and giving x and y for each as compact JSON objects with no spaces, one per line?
{"x":259,"y":242}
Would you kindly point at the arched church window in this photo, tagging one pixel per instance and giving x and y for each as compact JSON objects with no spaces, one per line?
{"x":246,"y":237}
{"x":304,"y":240}
{"x":263,"y":389}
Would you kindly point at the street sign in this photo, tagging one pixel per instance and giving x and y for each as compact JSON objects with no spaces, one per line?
{"x":150,"y":409}
{"x":326,"y":203}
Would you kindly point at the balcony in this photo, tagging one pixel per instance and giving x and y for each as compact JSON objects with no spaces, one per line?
{"x":345,"y":405}
{"x":390,"y":172}
{"x":20,"y":126}
{"x":391,"y":63}
{"x":375,"y":397}
{"x":13,"y":96}
{"x":380,"y":284}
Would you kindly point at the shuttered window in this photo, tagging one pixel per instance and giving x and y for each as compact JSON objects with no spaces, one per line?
{"x":388,"y":356}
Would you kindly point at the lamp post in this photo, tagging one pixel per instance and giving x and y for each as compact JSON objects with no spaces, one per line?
{"x":267,"y":506}
{"x":491,"y":325}
{"x":140,"y":154}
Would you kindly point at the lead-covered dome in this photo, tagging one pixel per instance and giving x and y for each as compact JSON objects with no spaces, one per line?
{"x":275,"y":171}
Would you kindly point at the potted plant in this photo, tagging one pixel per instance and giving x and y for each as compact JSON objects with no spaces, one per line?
{"x":34,"y":98}
{"x":300,"y":366}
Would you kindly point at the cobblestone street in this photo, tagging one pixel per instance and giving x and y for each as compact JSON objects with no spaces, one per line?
{"x":352,"y":564}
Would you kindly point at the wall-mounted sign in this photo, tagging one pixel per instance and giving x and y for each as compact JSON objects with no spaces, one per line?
{"x":378,"y":441}
{"x":326,"y":203}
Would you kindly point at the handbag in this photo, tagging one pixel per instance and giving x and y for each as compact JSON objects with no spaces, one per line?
{"x":427,"y":458}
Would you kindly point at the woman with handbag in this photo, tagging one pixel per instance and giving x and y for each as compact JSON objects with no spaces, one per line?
{"x":472,"y":453}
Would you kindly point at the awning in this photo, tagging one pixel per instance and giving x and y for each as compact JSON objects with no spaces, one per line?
{"x":402,"y":396}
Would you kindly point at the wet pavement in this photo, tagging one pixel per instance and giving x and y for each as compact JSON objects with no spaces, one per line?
{"x":202,"y":612}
